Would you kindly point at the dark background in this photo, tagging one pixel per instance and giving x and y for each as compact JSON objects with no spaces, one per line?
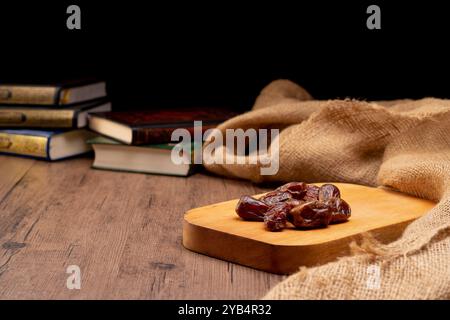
{"x":222,"y":53}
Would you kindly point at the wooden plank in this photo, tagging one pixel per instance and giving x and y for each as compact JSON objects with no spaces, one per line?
{"x":12,"y":173}
{"x":34,"y":248}
{"x":217,"y":231}
{"x":123,"y":231}
{"x":12,"y":170}
{"x":170,"y":271}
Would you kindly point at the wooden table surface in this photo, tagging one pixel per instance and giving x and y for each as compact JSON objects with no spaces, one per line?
{"x":123,"y":230}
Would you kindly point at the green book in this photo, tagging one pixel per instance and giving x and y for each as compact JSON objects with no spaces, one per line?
{"x":154,"y":159}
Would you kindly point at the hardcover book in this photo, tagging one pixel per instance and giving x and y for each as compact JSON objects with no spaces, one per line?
{"x":48,"y":145}
{"x":58,"y":94}
{"x":154,"y":159}
{"x":74,"y":116}
{"x":153,"y":127}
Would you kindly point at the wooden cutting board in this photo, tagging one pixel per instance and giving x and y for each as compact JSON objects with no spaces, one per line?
{"x":217,"y":231}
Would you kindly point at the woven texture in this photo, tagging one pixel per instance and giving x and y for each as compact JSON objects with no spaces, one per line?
{"x":401,"y":144}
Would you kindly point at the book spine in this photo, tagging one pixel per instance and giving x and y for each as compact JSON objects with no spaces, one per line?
{"x":24,"y":145}
{"x":160,"y":135}
{"x":34,"y":118}
{"x":29,"y":95}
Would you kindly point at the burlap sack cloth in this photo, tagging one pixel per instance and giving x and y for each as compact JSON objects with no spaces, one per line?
{"x":402,"y":144}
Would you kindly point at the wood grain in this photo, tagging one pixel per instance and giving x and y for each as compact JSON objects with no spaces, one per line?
{"x":123,"y":230}
{"x":217,"y":231}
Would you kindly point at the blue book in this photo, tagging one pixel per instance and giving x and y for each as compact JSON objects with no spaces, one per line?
{"x":47,"y":145}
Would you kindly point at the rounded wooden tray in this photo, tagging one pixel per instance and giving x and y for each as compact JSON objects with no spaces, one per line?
{"x":217,"y":231}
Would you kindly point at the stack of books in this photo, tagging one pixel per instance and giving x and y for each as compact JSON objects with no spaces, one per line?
{"x":58,"y":121}
{"x":141,"y":141}
{"x":49,"y":121}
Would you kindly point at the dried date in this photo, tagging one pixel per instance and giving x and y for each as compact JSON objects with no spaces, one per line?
{"x":340,"y":210}
{"x":328,"y":191}
{"x":296,"y":189}
{"x":312,"y":193}
{"x":249,"y":208}
{"x":275,"y":197}
{"x":314,"y":214}
{"x":276,"y":218}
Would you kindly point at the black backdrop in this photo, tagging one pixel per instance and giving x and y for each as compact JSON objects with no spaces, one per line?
{"x":221,"y":53}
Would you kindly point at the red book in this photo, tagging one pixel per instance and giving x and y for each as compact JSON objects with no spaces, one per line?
{"x":153,"y":127}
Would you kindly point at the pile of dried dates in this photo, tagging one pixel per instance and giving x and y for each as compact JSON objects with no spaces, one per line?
{"x":305,"y":206}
